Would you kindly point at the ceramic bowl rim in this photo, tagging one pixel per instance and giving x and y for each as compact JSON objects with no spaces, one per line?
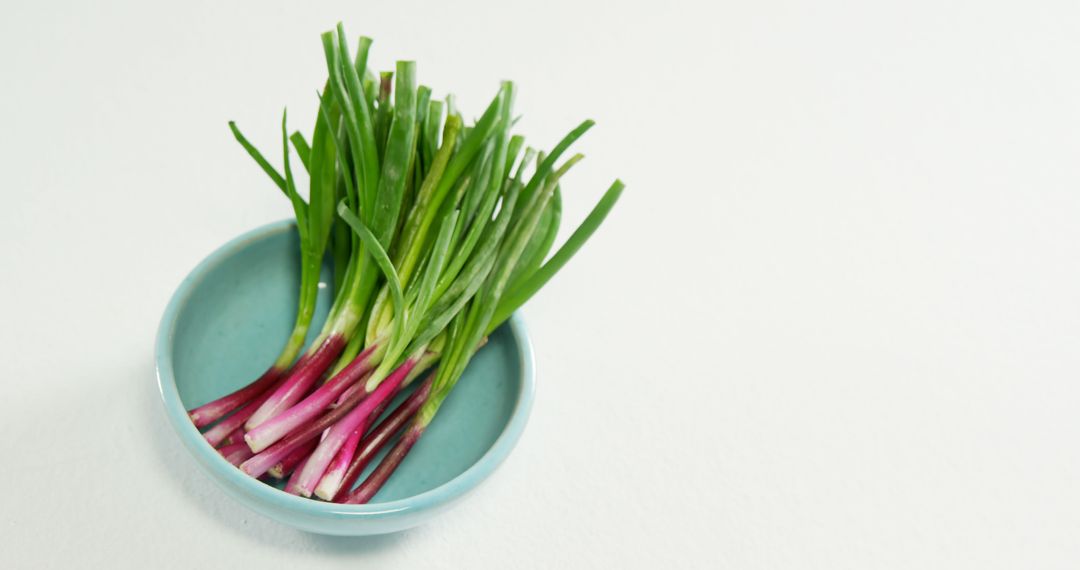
{"x":223,"y":472}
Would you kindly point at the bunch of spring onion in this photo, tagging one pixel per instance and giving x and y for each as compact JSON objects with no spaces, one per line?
{"x":438,"y":232}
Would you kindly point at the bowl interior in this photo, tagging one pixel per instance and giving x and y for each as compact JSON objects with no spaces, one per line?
{"x":240,"y":312}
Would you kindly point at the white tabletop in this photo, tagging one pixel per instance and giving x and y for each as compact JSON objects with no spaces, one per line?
{"x":834,"y":322}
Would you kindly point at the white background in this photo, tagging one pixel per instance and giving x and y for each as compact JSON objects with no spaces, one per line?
{"x":834,"y":322}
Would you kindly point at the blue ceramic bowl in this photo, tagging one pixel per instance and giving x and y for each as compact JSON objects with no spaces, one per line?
{"x":224,"y":326}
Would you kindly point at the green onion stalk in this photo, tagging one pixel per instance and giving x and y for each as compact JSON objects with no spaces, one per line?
{"x":313,"y":222}
{"x":485,"y":313}
{"x":371,"y":192}
{"x":264,"y":432}
{"x":410,"y":308}
{"x":415,"y":233}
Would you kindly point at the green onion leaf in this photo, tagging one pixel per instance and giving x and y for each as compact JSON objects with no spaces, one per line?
{"x":270,"y":171}
{"x":376,"y":251}
{"x":299,"y":207}
{"x":523,"y":292}
{"x":322,"y":189}
{"x":303,"y":150}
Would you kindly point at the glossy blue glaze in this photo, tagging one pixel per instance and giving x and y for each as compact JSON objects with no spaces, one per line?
{"x":224,"y":326}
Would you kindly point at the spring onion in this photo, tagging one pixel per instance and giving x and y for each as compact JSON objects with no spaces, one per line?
{"x":437,"y":230}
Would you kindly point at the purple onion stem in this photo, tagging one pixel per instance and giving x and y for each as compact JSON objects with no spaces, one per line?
{"x":379,"y":437}
{"x":235,"y":453}
{"x":359,"y":416}
{"x":387,"y":466}
{"x":295,"y":457}
{"x":264,"y":460}
{"x":235,"y":436}
{"x":331,"y":480}
{"x":209,"y":413}
{"x":230,"y":425}
{"x":280,"y":425}
{"x":290,"y":486}
{"x":299,"y":381}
